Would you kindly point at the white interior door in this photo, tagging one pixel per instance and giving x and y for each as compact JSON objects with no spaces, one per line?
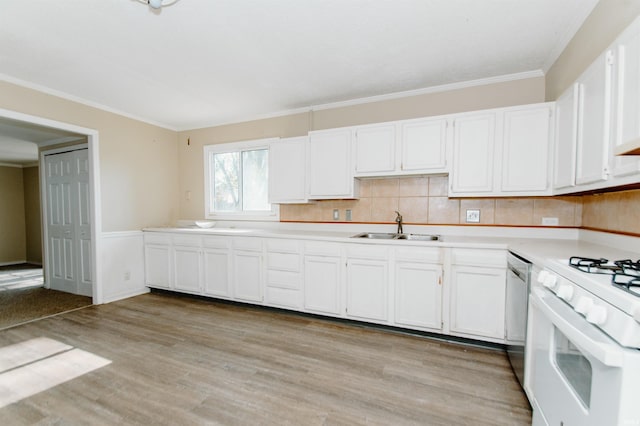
{"x":68,"y":222}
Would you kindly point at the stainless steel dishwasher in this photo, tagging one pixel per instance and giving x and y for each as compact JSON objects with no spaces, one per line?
{"x":518,"y":281}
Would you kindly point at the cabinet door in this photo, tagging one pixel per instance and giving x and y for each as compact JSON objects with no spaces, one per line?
{"x":477,"y":301}
{"x":216,"y":269}
{"x":322,"y":284}
{"x":287,"y":171}
{"x":157,"y":261}
{"x":186,"y":268}
{"x":566,"y":139}
{"x":418,"y":295}
{"x":473,"y":152}
{"x":525,"y":150}
{"x":367,"y":288}
{"x":627,"y":98}
{"x":424,"y":145}
{"x":375,"y":149}
{"x":593,"y":130}
{"x":247,"y":275}
{"x":330,"y":168}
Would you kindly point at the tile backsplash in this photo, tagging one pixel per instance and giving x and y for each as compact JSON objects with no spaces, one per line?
{"x":423,"y":200}
{"x":613,"y":211}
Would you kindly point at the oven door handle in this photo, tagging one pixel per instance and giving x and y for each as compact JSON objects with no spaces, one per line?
{"x":586,"y":336}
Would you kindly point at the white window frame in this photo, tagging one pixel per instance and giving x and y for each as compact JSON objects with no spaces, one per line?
{"x":271,"y":215}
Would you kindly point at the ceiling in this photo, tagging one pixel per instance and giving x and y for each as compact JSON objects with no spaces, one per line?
{"x":19,"y":141}
{"x":199,"y":63}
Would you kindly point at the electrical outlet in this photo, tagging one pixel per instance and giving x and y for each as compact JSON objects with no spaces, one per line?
{"x":336,"y":214}
{"x":473,"y":216}
{"x":347,"y":214}
{"x":127,"y":275}
{"x":550,"y":221}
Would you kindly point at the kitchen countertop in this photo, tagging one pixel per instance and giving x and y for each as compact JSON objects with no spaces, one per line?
{"x":536,"y":250}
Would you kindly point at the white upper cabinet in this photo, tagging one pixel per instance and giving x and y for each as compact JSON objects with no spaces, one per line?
{"x":606,"y":101}
{"x":566,"y":138}
{"x":329,"y":165}
{"x":375,"y":149}
{"x":287,"y":170}
{"x":424,"y":145}
{"x":406,"y":147}
{"x":626,"y":94}
{"x":525,"y":150}
{"x":594,"y":111}
{"x":473,"y":154}
{"x":502,"y":152}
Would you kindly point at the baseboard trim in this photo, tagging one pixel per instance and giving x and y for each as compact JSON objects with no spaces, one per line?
{"x":13,"y":262}
{"x":127,"y":295}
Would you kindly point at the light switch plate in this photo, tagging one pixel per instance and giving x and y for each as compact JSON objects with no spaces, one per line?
{"x":473,"y":216}
{"x":347,"y":215}
{"x":336,"y":214}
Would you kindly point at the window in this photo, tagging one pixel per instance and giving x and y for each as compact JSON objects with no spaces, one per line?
{"x":237,"y":181}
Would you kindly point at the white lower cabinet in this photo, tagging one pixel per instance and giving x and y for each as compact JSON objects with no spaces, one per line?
{"x":284,"y":274}
{"x":157,"y":261}
{"x":323,"y":278}
{"x":477,"y":298}
{"x":187,"y":264}
{"x":367,"y":283}
{"x":247,"y":269}
{"x":418,"y":289}
{"x":403,"y":286}
{"x":186,"y":253}
{"x":216,"y":260}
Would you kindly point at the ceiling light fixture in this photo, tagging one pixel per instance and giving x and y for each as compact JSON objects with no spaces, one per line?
{"x":157,"y":4}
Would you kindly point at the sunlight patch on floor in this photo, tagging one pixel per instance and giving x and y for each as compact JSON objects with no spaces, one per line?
{"x":36,"y":365}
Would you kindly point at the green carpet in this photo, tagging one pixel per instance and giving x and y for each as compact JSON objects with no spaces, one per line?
{"x":22,"y":305}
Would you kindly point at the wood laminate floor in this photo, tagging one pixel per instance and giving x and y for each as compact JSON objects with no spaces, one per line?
{"x":181,"y":361}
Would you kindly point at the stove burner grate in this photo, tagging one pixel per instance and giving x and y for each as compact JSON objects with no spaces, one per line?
{"x":594,"y":266}
{"x":625,"y":274}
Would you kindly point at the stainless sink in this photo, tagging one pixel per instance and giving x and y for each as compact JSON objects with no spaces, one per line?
{"x":377,"y":235}
{"x":392,"y":236}
{"x":419,"y":237}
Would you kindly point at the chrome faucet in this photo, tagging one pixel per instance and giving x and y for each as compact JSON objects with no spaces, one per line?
{"x":399,"y":222}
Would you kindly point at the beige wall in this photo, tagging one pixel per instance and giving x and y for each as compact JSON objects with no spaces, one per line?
{"x":190,"y":143}
{"x":12,"y":222}
{"x":138,"y":167}
{"x":33,"y":226}
{"x":601,"y":28}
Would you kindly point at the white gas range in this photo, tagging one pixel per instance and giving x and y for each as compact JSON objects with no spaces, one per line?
{"x":583,"y":352}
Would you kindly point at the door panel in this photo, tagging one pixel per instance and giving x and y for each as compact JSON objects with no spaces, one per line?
{"x":68,"y":222}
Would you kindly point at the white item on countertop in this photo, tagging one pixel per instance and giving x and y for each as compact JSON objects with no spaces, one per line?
{"x":204,"y":223}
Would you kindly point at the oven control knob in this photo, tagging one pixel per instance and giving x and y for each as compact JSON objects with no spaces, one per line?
{"x":550,"y":281}
{"x":542,"y":275}
{"x":597,"y":315}
{"x":565,"y":292}
{"x":583,"y":305}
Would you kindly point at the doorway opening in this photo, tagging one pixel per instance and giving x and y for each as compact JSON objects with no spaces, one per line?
{"x":26,"y":276}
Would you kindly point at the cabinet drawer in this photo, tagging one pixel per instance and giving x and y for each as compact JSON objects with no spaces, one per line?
{"x":426,"y":255}
{"x":252,"y":244}
{"x":284,"y":297}
{"x":187,"y":240}
{"x":366,"y":251}
{"x":216,"y":242}
{"x":479,"y":257}
{"x":283,"y":261}
{"x":284,"y":279}
{"x":283,"y":246}
{"x":157,"y":238}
